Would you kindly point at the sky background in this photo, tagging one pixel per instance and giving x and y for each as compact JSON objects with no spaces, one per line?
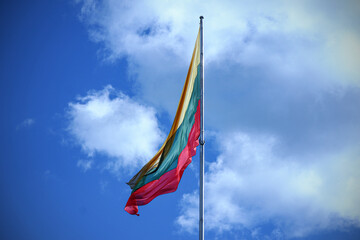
{"x":89,"y":89}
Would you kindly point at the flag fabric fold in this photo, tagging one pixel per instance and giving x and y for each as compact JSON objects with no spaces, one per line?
{"x":163,"y":172}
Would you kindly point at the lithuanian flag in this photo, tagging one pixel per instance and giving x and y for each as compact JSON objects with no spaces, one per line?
{"x":163,"y":172}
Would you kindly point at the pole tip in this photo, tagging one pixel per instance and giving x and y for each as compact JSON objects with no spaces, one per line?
{"x":201,"y":17}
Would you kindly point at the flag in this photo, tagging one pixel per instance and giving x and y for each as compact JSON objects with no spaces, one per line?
{"x":163,"y":172}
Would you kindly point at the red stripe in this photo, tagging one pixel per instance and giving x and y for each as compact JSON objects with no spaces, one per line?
{"x":169,"y":181}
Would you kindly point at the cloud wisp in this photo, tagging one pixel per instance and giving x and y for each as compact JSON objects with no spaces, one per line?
{"x":85,"y":165}
{"x":26,"y":123}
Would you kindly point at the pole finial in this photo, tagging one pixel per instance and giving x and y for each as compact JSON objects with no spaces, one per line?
{"x":201,"y":17}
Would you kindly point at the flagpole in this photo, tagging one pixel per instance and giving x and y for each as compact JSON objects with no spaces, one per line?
{"x":202,"y":141}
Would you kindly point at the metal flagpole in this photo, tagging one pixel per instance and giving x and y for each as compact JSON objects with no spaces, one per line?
{"x":202,"y":141}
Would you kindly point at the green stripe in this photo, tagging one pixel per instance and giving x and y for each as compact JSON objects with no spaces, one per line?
{"x":169,"y":160}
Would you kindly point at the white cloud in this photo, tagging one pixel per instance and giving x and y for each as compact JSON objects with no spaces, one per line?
{"x":110,"y":123}
{"x":250,"y":185}
{"x":270,"y":61}
{"x":287,"y":37}
{"x":288,"y":69}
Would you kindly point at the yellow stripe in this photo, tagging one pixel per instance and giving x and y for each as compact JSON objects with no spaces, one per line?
{"x":192,"y":73}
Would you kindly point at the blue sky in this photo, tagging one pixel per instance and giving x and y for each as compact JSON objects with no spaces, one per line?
{"x":89,"y":90}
